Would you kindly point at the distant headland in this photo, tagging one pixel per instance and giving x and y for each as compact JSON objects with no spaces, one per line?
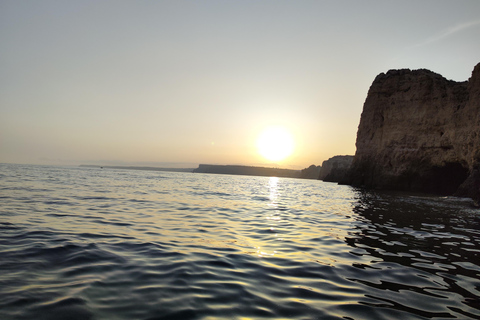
{"x":311,"y":172}
{"x":307,"y":173}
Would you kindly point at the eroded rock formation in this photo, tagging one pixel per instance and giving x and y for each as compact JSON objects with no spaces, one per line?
{"x":335,"y":168}
{"x":311,"y":172}
{"x":420,"y":132}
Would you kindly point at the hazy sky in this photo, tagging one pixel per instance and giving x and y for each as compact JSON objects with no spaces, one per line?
{"x":196,"y":81}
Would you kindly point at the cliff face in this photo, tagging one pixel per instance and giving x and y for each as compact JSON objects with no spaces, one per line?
{"x":420,"y":132}
{"x":310,"y":172}
{"x":335,"y":168}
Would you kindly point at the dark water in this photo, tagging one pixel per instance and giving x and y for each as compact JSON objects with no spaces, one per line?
{"x":110,"y":244}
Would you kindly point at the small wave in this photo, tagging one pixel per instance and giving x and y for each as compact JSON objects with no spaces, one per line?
{"x":83,"y":245}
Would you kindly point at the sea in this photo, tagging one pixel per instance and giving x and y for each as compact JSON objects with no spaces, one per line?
{"x":92,"y":243}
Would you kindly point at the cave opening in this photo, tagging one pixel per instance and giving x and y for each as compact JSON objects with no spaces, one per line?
{"x":445,"y":180}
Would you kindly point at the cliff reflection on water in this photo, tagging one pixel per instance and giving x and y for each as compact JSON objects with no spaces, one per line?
{"x":427,"y":246}
{"x":84,"y":243}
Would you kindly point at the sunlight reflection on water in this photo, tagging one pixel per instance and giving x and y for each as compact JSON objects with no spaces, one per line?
{"x":115,"y":244}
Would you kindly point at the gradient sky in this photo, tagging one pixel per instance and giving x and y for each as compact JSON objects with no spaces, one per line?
{"x":145,"y":82}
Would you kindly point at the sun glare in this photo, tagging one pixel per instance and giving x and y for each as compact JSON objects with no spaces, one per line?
{"x":275,"y":143}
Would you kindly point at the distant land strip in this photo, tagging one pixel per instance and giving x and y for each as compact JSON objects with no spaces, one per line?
{"x":252,"y":171}
{"x":139,"y":168}
{"x":307,"y":173}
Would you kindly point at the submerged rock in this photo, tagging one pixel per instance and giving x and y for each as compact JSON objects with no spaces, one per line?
{"x":420,"y":132}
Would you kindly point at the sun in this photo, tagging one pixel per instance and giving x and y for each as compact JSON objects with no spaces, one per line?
{"x":275,"y":143}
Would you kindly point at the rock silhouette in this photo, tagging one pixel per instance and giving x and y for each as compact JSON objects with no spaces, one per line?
{"x":420,"y":132}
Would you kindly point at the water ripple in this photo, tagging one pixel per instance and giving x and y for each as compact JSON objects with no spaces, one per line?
{"x":82,"y":243}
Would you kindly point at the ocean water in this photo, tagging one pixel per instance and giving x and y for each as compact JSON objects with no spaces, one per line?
{"x":83,"y":243}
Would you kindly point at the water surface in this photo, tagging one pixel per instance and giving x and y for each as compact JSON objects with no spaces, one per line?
{"x":83,"y":243}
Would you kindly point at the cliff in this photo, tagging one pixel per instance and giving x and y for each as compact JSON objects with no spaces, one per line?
{"x":311,"y":172}
{"x":420,"y":132}
{"x":335,"y":168}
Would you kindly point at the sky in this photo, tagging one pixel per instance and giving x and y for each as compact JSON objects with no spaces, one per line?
{"x":179,"y":83}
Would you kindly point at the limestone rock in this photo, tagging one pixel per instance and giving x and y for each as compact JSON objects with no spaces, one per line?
{"x":335,"y":168}
{"x":311,"y":172}
{"x":420,"y":132}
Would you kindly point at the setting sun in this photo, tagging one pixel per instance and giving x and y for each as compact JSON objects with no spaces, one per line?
{"x":275,"y":143}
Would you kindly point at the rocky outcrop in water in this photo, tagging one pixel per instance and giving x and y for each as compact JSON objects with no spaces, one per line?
{"x":311,"y":172}
{"x":335,"y":168}
{"x":420,"y":132}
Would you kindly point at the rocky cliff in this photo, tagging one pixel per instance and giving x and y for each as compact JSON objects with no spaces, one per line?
{"x":335,"y":168}
{"x":420,"y":132}
{"x":311,"y":172}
